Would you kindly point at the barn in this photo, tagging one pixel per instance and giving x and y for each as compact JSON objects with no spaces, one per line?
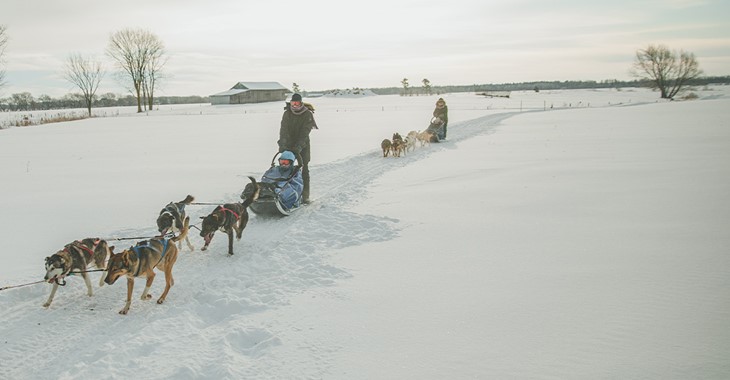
{"x":251,"y":92}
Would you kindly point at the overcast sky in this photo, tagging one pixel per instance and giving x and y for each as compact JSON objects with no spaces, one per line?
{"x":322,"y":45}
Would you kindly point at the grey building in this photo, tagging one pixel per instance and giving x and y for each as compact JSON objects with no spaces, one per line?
{"x":251,"y":92}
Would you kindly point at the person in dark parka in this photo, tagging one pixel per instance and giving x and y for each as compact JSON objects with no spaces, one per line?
{"x":442,"y":113}
{"x":296,"y":123}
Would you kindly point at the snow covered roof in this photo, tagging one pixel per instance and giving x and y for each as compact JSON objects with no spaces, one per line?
{"x":241,"y":87}
{"x":229,"y":92}
{"x":259,"y":86}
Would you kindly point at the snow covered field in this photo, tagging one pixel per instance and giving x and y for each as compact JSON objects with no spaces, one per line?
{"x":588,"y":240}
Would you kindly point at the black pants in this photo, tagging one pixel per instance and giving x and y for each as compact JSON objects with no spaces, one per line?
{"x":305,"y":177}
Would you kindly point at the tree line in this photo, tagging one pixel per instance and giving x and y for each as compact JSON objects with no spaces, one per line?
{"x":540,"y":85}
{"x":25,"y":101}
{"x":656,"y":66}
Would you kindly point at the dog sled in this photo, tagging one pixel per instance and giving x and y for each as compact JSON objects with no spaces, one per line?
{"x":280,"y":192}
{"x":436,"y":129}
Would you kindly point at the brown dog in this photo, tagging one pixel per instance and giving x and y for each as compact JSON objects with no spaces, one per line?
{"x":228,"y":218}
{"x":141,"y":260}
{"x":171,"y":218}
{"x":75,"y":258}
{"x":385,"y":146}
{"x":425,"y":138}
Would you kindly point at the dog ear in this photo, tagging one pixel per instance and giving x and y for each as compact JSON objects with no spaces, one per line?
{"x":125,"y":259}
{"x":111,"y":249}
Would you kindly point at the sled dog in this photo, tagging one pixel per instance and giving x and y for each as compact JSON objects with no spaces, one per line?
{"x":425,"y":138}
{"x":410,"y":140}
{"x":171,"y":218}
{"x":228,"y":218}
{"x":141,"y":261}
{"x":399,"y":146}
{"x":386,"y":145}
{"x":76,"y":257}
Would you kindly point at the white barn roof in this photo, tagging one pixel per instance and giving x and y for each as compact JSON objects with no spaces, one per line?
{"x":241,"y":87}
{"x":229,"y":92}
{"x":259,"y":86}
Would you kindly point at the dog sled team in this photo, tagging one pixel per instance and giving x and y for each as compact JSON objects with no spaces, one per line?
{"x":285,"y":186}
{"x":436,"y":132}
{"x":142,"y":259}
{"x":288,"y":190}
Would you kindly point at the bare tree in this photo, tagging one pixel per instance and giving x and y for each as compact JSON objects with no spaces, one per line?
{"x":667,"y":71}
{"x":3,"y":44}
{"x":154,"y":69}
{"x":140,"y":55}
{"x":85,"y":74}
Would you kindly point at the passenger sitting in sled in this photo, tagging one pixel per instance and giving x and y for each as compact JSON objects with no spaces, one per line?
{"x":287,"y":180}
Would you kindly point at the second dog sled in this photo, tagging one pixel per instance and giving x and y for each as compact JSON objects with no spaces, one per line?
{"x":436,"y":129}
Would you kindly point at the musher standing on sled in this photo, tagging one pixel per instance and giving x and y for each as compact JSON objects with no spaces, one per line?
{"x":296,"y":123}
{"x":441,"y":112}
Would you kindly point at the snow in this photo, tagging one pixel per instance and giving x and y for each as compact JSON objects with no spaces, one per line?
{"x":586,"y":240}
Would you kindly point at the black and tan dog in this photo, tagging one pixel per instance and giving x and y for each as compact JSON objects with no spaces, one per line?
{"x":171,"y":219}
{"x":75,"y":258}
{"x":141,"y":260}
{"x":399,"y":146}
{"x":228,"y":218}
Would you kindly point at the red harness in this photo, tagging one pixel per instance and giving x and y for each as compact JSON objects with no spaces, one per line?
{"x":84,"y":248}
{"x":229,"y":210}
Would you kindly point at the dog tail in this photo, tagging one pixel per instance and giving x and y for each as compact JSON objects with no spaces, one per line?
{"x":254,"y":194}
{"x":188,"y":200}
{"x":184,"y":232}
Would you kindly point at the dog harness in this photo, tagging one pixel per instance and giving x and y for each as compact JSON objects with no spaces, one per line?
{"x":90,"y":251}
{"x":146,"y":244}
{"x":79,"y":246}
{"x":231,"y":211}
{"x":173,"y":207}
{"x":67,"y":248}
{"x":173,"y":210}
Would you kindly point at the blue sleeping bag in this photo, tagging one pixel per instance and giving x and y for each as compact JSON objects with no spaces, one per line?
{"x":286,"y":185}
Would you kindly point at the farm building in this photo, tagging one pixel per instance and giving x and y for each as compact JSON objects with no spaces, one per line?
{"x":251,"y":92}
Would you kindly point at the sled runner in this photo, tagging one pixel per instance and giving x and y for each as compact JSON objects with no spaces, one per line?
{"x":281,"y":192}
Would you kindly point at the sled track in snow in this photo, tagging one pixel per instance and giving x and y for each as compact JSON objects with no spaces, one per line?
{"x":214,"y":294}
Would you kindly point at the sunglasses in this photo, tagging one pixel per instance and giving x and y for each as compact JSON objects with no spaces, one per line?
{"x":285,"y":162}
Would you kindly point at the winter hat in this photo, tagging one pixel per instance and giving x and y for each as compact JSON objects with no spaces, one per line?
{"x":296,"y":98}
{"x":441,"y":100}
{"x":287,"y":155}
